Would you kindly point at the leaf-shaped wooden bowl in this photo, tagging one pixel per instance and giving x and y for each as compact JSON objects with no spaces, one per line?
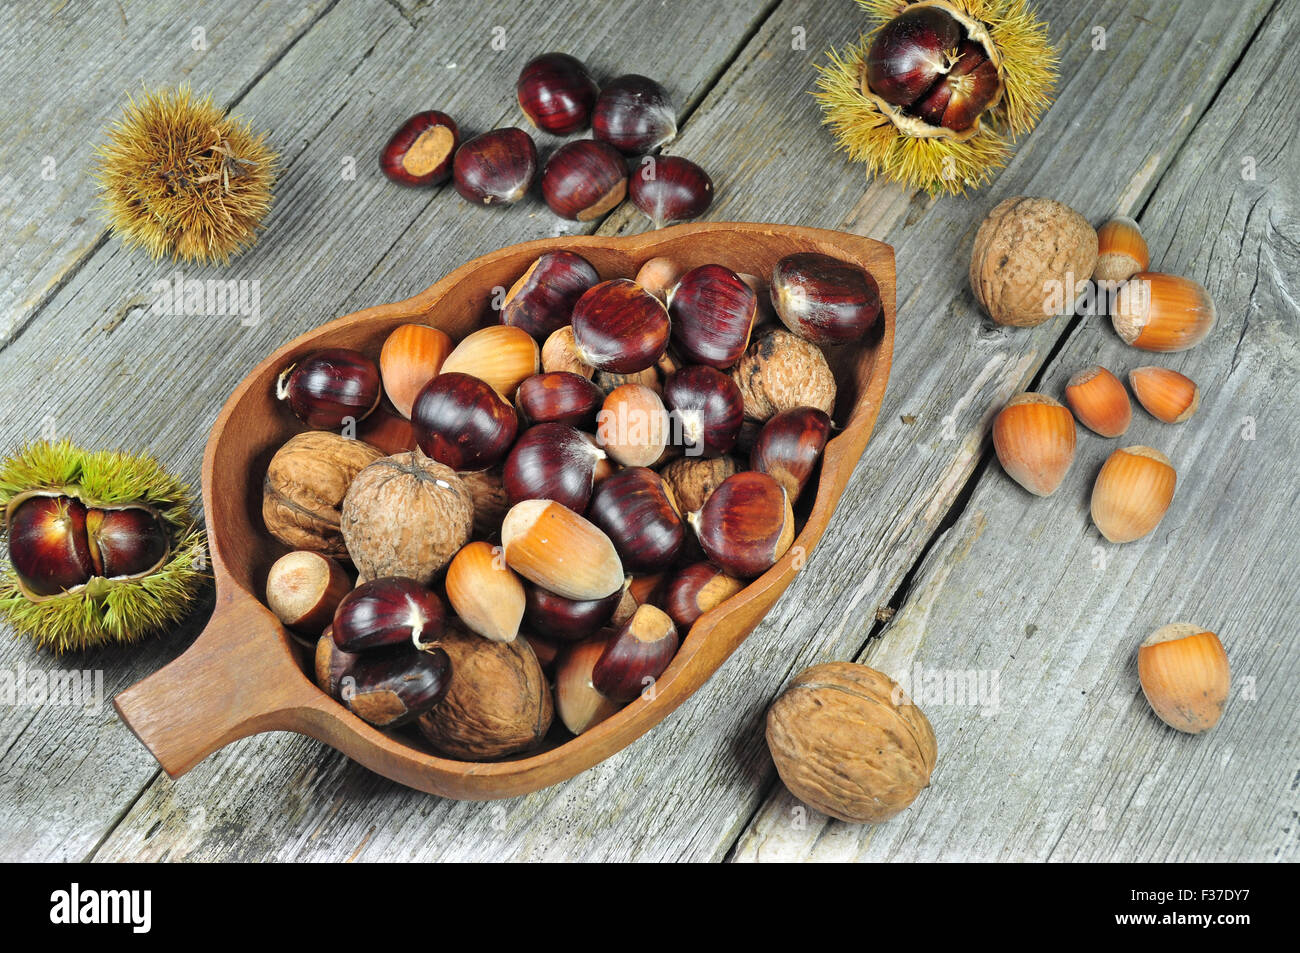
{"x":244,"y":674}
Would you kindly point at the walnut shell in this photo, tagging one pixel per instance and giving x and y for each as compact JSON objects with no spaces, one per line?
{"x":498,"y":702}
{"x":692,"y":479}
{"x":780,"y":371}
{"x":1024,"y":244}
{"x":406,"y":515}
{"x":842,"y":744}
{"x":305,"y":485}
{"x":488,"y":490}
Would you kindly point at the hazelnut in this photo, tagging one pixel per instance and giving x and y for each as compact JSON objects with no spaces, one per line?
{"x":305,"y":485}
{"x":847,"y":741}
{"x":406,"y":515}
{"x":780,"y":372}
{"x":1026,"y":247}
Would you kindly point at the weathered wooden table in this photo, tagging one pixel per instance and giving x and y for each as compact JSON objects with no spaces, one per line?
{"x":1181,"y":114}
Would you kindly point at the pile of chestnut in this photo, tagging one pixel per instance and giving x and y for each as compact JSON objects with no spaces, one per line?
{"x":582,"y":180}
{"x":599,"y":428}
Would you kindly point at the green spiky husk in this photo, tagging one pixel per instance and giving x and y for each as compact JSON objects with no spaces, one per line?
{"x":942,"y":164}
{"x":118,"y":610}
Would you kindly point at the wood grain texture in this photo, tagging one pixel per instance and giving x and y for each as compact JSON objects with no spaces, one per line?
{"x":1068,"y":762}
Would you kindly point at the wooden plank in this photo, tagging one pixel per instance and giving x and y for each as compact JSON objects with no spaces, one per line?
{"x":96,"y":53}
{"x":688,"y":789}
{"x":133,"y":378}
{"x":1071,"y":764}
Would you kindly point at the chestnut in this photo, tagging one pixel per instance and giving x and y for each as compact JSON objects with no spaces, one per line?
{"x":745,"y":525}
{"x":957,"y":100}
{"x":329,"y":387}
{"x":584,"y":179}
{"x":634,"y":509}
{"x":636,"y":655}
{"x":670,"y":189}
{"x":707,"y":409}
{"x":909,"y":53}
{"x":387,"y":687}
{"x":495,"y":168}
{"x":461,"y":421}
{"x":697,"y":589}
{"x":546,"y":650}
{"x":634,"y":115}
{"x":420,"y":151}
{"x":620,"y":327}
{"x":556,"y":93}
{"x":824,"y":300}
{"x":633,"y":426}
{"x":542,"y":299}
{"x":126,"y":541}
{"x":789,"y":446}
{"x":567,"y":620}
{"x":712,"y":312}
{"x":552,"y":461}
{"x":390,"y":610}
{"x":560,"y":397}
{"x":48,"y":545}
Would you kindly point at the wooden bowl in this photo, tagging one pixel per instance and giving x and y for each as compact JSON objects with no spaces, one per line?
{"x":245,"y":674}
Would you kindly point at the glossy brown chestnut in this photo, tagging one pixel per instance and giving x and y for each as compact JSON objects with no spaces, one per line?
{"x":385,"y":687}
{"x":746,"y":524}
{"x":637,"y":655}
{"x":495,"y":168}
{"x":634,"y":114}
{"x":48,"y":546}
{"x":567,"y":620}
{"x":789,"y":446}
{"x":556,"y":93}
{"x":560,"y":397}
{"x":327,"y":388}
{"x":620,"y":327}
{"x":824,"y":300}
{"x":420,"y":151}
{"x":956,"y":101}
{"x":584,"y":179}
{"x":387,"y":611}
{"x":462,"y":422}
{"x":707,"y":410}
{"x":546,"y":650}
{"x":552,"y":461}
{"x":125,"y":541}
{"x":670,"y":189}
{"x":542,"y":299}
{"x":712,"y":312}
{"x":634,"y":510}
{"x":909,"y":53}
{"x":697,"y":589}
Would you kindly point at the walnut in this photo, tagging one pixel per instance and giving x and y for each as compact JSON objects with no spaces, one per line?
{"x":607,"y":380}
{"x":847,"y":741}
{"x":406,"y":515}
{"x":488,"y":490}
{"x":304,"y":488}
{"x":498,"y":702}
{"x":1026,"y":248}
{"x":692,"y":479}
{"x":780,"y":372}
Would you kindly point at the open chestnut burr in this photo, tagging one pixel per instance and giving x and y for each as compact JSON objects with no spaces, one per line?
{"x":620,"y":327}
{"x":463,"y":422}
{"x":495,"y":168}
{"x":634,"y":114}
{"x":823,"y":299}
{"x":387,"y":611}
{"x":670,"y":189}
{"x":556,"y":93}
{"x":636,"y":655}
{"x":552,"y":461}
{"x":707,"y":408}
{"x":712,"y":312}
{"x":420,"y":151}
{"x":584,"y":179}
{"x":634,"y":509}
{"x":542,"y":299}
{"x":327,"y":388}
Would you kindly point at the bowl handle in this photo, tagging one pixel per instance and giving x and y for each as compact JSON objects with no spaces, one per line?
{"x":239,"y":678}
